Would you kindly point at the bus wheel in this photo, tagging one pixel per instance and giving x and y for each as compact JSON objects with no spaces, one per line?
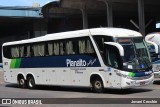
{"x":97,"y":86}
{"x":31,"y":82}
{"x":21,"y":82}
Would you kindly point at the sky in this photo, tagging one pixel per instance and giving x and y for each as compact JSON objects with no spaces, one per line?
{"x":22,"y":2}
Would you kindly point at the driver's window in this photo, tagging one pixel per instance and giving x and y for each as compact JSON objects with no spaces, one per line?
{"x":113,"y":58}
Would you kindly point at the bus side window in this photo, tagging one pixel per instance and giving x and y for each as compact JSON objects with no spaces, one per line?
{"x":62,"y":47}
{"x":69,"y":47}
{"x":56,"y":48}
{"x":113,"y":58}
{"x":82,"y":46}
{"x":38,"y":49}
{"x":28,"y":51}
{"x":21,"y":51}
{"x":7,"y":51}
{"x":75,"y":46}
{"x":89,"y":47}
{"x":15,"y":52}
{"x":85,"y":46}
{"x":50,"y":48}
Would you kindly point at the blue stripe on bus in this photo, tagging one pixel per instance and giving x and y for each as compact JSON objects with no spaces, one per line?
{"x":60,"y":61}
{"x":156,"y":61}
{"x":141,"y":74}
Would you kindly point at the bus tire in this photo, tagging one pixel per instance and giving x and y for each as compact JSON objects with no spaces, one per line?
{"x":97,"y":86}
{"x":31,"y":82}
{"x":21,"y":82}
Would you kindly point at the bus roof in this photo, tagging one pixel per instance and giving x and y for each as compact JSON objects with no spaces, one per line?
{"x":154,"y":37}
{"x":153,"y":34}
{"x":114,"y":32}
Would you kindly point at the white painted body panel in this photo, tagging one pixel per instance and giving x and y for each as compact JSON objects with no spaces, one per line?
{"x":74,"y":76}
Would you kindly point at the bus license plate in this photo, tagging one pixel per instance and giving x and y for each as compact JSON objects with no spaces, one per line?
{"x":142,"y":83}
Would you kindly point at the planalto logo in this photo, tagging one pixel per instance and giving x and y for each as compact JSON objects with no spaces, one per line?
{"x":79,"y":63}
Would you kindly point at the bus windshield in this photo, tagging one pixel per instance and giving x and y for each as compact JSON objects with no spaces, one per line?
{"x":136,"y":55}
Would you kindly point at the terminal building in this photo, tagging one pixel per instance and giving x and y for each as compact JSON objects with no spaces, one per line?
{"x":18,"y":23}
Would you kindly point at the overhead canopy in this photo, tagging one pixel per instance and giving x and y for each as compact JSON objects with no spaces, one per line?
{"x":120,"y":7}
{"x":140,"y":12}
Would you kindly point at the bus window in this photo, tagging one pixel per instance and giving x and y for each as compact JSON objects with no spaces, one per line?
{"x":113,"y":58}
{"x":56,"y":48}
{"x":7,"y":51}
{"x":75,"y":46}
{"x":38,"y":49}
{"x":69,"y":48}
{"x":21,"y":51}
{"x":100,"y":41}
{"x":62,"y":48}
{"x":82,"y":46}
{"x":15,"y":52}
{"x":89,"y":47}
{"x":28,"y":51}
{"x":50,"y":48}
{"x":85,"y":46}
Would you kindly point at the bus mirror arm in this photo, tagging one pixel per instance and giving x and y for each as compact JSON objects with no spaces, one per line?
{"x":118,"y":46}
{"x":155,"y":45}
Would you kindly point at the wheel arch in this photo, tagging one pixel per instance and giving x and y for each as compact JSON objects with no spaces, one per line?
{"x":31,"y":74}
{"x":20,"y":75}
{"x":97,"y":75}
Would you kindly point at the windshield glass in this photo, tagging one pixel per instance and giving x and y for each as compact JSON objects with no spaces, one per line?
{"x":136,"y":55}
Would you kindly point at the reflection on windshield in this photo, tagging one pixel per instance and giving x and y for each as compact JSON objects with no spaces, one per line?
{"x":136,"y":55}
{"x":142,"y":53}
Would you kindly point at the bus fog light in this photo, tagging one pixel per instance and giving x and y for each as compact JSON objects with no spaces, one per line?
{"x":131,"y":83}
{"x":128,"y":83}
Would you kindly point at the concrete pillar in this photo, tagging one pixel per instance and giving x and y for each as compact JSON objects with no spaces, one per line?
{"x":84,"y":16}
{"x":141,"y":17}
{"x":108,"y":4}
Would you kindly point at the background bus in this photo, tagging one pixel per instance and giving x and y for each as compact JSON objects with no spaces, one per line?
{"x":98,"y":58}
{"x":153,"y":40}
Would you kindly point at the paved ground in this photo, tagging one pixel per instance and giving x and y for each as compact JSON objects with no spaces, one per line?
{"x":1,"y":78}
{"x":12,"y":91}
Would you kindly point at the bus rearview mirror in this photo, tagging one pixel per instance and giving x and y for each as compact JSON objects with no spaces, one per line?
{"x":118,"y":46}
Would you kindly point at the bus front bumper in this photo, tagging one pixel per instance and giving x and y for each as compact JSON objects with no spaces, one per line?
{"x":129,"y":83}
{"x":157,"y":74}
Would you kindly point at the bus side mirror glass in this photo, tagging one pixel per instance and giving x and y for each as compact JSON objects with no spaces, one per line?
{"x":118,"y":46}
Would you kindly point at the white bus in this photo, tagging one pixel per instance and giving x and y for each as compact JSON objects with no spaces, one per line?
{"x":98,"y":58}
{"x":153,"y":40}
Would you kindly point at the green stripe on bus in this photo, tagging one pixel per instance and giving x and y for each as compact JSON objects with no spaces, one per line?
{"x":15,"y":63}
{"x":18,"y":62}
{"x":131,"y":74}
